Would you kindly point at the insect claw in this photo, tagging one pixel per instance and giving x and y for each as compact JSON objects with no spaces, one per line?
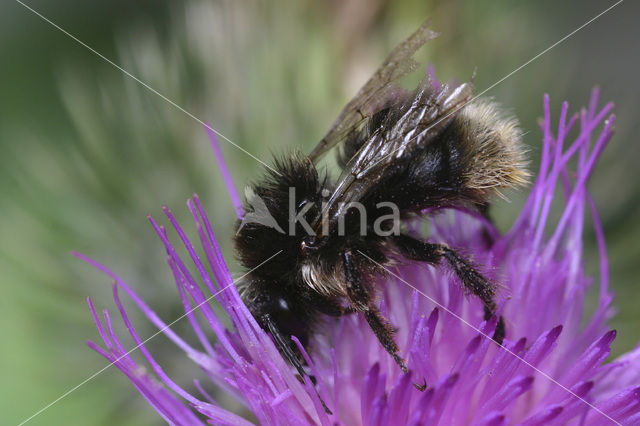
{"x":421,"y":387}
{"x":326,"y":409}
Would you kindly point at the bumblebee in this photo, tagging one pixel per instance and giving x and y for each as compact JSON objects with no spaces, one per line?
{"x":403,"y":154}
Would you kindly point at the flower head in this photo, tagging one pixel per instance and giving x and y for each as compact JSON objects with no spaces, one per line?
{"x":550,"y":369}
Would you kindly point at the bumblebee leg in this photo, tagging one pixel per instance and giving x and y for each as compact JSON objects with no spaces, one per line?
{"x":285,"y":349}
{"x":472,"y":280}
{"x":361,"y":301}
{"x":500,"y":332}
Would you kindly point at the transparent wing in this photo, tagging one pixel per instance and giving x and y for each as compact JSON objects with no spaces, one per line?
{"x":411,"y":127}
{"x":377,"y":92}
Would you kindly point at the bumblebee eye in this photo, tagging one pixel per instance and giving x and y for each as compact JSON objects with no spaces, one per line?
{"x":283,"y":304}
{"x":308,"y":246}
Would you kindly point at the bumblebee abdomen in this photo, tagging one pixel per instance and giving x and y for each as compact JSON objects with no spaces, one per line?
{"x":476,"y":156}
{"x":489,"y":142}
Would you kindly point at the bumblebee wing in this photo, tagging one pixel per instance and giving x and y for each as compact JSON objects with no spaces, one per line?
{"x":412,"y":126}
{"x":377,"y":93}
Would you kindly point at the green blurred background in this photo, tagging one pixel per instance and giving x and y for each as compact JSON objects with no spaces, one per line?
{"x":86,"y":152}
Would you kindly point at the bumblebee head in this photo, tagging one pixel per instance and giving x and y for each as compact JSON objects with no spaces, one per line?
{"x":279,"y":212}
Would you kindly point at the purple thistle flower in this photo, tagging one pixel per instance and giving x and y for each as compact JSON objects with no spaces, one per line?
{"x":549,"y":371}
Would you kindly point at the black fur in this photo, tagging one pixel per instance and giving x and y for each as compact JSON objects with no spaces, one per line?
{"x":430,"y":179}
